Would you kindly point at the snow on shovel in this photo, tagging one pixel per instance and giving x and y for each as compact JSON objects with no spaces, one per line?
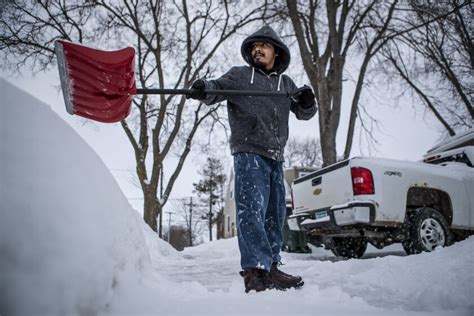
{"x":100,"y":85}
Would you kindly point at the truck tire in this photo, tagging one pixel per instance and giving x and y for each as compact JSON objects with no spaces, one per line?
{"x":348,"y":247}
{"x":427,"y":229}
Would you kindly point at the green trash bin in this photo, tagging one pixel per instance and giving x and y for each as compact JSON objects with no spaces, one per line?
{"x":293,"y":241}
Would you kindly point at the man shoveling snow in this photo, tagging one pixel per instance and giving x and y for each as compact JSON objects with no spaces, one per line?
{"x":259,"y":132}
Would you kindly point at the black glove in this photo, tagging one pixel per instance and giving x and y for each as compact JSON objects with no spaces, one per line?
{"x":303,"y":96}
{"x":198,"y":90}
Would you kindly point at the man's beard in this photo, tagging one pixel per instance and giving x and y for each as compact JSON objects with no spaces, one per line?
{"x":259,"y":64}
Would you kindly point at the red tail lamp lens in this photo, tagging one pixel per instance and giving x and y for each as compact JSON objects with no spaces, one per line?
{"x":362,"y":181}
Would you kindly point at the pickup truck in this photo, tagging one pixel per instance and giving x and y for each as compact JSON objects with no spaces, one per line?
{"x":422,"y":205}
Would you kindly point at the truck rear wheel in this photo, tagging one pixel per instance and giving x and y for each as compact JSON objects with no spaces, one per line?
{"x":348,"y":247}
{"x":428,"y":229}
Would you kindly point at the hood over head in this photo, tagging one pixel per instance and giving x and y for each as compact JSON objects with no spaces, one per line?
{"x":267,"y":34}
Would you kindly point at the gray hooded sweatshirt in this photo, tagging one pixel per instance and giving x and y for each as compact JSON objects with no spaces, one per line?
{"x":259,"y":124}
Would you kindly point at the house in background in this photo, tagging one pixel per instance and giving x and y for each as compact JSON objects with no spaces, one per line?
{"x":230,"y":230}
{"x":230,"y":225}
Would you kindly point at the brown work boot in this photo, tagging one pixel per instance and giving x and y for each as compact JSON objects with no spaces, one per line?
{"x":282,"y":280}
{"x":256,"y":279}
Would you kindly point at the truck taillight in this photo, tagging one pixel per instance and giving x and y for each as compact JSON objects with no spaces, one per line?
{"x":362,"y":181}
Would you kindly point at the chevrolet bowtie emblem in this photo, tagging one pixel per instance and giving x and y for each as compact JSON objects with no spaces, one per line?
{"x":317,"y":191}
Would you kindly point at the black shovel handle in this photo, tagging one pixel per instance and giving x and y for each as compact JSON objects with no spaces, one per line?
{"x":216,"y":92}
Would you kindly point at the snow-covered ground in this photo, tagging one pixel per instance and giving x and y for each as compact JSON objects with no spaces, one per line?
{"x":70,"y":244}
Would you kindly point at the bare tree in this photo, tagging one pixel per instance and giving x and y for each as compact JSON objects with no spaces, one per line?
{"x":303,"y":152}
{"x":190,"y":216}
{"x":327,"y":33}
{"x":330,"y":32}
{"x":175,"y":42}
{"x":436,"y":61}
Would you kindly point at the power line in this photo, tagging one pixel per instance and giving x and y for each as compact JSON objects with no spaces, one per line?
{"x":123,"y":170}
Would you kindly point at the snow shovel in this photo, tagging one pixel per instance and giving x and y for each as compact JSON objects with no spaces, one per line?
{"x":100,"y":85}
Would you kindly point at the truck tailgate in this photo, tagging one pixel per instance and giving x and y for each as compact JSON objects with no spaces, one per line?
{"x":323,"y":188}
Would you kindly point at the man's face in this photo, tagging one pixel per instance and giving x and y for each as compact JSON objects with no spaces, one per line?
{"x":263,"y":55}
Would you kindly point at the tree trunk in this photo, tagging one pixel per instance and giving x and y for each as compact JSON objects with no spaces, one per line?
{"x":328,"y":145}
{"x":151,"y":209}
{"x":329,"y":113}
{"x":326,"y":82}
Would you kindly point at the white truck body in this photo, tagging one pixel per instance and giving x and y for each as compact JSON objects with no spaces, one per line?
{"x":326,"y":202}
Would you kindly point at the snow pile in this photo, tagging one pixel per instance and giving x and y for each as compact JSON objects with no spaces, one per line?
{"x":442,"y":280}
{"x":68,"y":236}
{"x":157,"y":247}
{"x":219,"y":249}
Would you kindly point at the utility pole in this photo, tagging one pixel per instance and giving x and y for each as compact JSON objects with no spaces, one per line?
{"x":190,"y":221}
{"x":190,"y":228}
{"x":209,"y":216}
{"x":160,"y":233}
{"x":169,"y":225}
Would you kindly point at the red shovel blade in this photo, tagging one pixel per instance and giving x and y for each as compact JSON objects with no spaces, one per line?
{"x":96,"y":84}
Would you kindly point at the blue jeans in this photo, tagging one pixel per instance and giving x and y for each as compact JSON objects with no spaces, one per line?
{"x":261,"y":209}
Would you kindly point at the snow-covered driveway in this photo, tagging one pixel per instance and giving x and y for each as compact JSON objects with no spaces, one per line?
{"x":215,"y":265}
{"x":383,"y":282}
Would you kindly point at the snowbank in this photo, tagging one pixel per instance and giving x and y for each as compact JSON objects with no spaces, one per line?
{"x":68,"y":236}
{"x":438,"y":281}
{"x":219,"y":249}
{"x":157,"y":247}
